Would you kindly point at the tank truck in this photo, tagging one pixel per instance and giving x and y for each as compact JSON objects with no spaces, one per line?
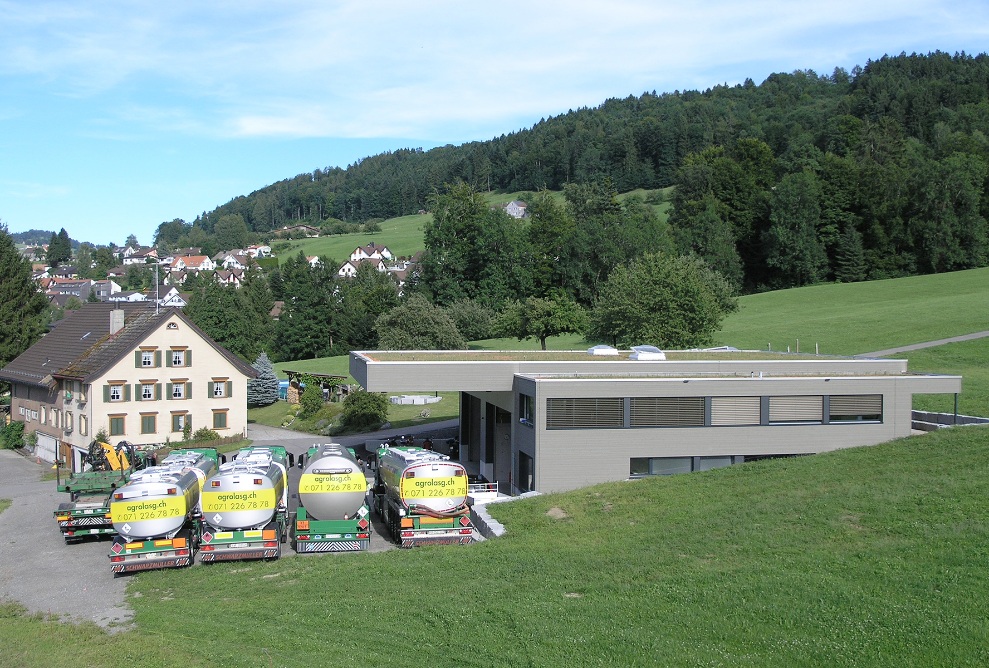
{"x":157,"y":514}
{"x":245,"y":506}
{"x":87,"y":512}
{"x":333,"y":515}
{"x":422,"y":497}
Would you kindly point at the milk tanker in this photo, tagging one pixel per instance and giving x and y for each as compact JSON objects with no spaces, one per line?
{"x":333,"y":515}
{"x":422,"y":497}
{"x":157,"y":514}
{"x":245,"y":506}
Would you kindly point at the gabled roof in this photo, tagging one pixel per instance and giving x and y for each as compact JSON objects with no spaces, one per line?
{"x":81,"y":346}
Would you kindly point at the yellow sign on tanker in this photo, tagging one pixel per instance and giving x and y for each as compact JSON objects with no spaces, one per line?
{"x":317,"y":483}
{"x":151,"y":509}
{"x":225,"y":502}
{"x":434,"y":488}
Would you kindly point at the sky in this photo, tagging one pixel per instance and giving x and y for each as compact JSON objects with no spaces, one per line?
{"x":118,"y":116}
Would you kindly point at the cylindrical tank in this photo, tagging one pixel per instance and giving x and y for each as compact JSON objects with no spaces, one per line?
{"x":423,"y":478}
{"x":157,"y":501}
{"x":333,"y":485}
{"x":246,"y":492}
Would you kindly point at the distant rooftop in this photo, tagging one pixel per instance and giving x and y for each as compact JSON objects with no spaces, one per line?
{"x":574,"y":356}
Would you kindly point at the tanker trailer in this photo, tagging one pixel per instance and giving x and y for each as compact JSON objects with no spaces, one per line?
{"x":422,"y":497}
{"x":333,"y":515}
{"x":245,"y":506}
{"x":157,"y":514}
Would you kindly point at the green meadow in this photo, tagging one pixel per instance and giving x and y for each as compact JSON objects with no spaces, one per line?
{"x":861,"y":557}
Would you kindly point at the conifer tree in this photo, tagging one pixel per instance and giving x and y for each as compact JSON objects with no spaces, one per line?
{"x":22,"y":304}
{"x":263,"y":390}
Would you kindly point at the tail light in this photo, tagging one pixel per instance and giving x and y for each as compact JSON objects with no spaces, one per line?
{"x":271,"y":543}
{"x":118,"y":495}
{"x":172,"y":490}
{"x":116,"y":560}
{"x":214,"y":483}
{"x":206,"y":548}
{"x":466,"y":532}
{"x":407,"y":534}
{"x":363,"y":535}
{"x":182,"y":553}
{"x":258,"y":481}
{"x":302,"y":537}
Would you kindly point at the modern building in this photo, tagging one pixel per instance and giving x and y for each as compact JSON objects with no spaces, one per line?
{"x":140,"y":372}
{"x":552,"y":421}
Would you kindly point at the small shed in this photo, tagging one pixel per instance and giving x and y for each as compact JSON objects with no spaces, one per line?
{"x":334,"y":389}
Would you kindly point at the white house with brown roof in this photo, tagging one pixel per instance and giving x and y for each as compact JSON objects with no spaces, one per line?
{"x":516,"y":208}
{"x":193,"y":263}
{"x":137,"y":371}
{"x":371,"y":251}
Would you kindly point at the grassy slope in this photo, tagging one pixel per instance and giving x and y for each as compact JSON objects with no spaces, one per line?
{"x":854,"y":318}
{"x":867,"y":556}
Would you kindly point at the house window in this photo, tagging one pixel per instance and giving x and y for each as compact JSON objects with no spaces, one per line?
{"x":179,"y":390}
{"x":149,"y":424}
{"x":55,"y":416}
{"x":796,"y":409}
{"x":220,"y":419}
{"x":147,"y":391}
{"x":116,"y":425}
{"x":68,"y":422}
{"x":83,"y":425}
{"x":527,"y":409}
{"x":117,"y":391}
{"x":180,"y":357}
{"x":221,"y":388}
{"x":44,"y":415}
{"x":147,"y":359}
{"x":179,"y":420}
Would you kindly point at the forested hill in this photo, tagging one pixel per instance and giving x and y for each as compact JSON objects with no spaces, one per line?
{"x":876,"y":172}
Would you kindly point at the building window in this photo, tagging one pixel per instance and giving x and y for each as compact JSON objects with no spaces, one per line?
{"x":147,"y":359}
{"x":728,"y":411}
{"x":68,"y":422}
{"x":83,"y":425}
{"x":116,"y":425}
{"x":604,"y":413}
{"x":44,"y":415}
{"x":640,"y":467}
{"x":221,"y":389}
{"x":796,"y":409}
{"x":666,"y":412}
{"x":116,"y":393}
{"x":147,"y":391}
{"x":179,"y":357}
{"x":179,"y":421}
{"x":220,"y":419}
{"x":855,"y":408}
{"x":527,"y":410}
{"x":179,"y":390}
{"x":149,"y":424}
{"x":55,"y":416}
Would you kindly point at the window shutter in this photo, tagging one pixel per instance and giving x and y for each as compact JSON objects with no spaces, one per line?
{"x":209,"y":389}
{"x":188,"y":357}
{"x":168,"y":359}
{"x":157,"y":391}
{"x":126,"y":392}
{"x":158,"y":358}
{"x":106,"y":394}
{"x":230,"y":388}
{"x":168,"y":390}
{"x":137,"y":359}
{"x":138,"y":394}
{"x":735,"y":410}
{"x":188,"y":390}
{"x":796,"y":409}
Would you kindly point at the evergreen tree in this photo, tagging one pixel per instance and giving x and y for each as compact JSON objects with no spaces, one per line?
{"x":59,"y":249}
{"x":263,"y":390}
{"x":22,"y":305}
{"x":850,"y":265}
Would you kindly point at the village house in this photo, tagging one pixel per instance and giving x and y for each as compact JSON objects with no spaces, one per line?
{"x":136,"y":371}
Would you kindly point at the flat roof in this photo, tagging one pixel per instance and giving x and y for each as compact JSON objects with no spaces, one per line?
{"x":577,"y":356}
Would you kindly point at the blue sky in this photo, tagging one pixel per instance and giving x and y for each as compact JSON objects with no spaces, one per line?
{"x":118,"y":116}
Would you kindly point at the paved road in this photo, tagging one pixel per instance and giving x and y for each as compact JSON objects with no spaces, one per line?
{"x":926,"y":344}
{"x":37,"y":568}
{"x":42,"y":573}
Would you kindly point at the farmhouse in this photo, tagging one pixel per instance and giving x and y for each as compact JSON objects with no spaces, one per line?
{"x":552,"y":421}
{"x":139,"y":372}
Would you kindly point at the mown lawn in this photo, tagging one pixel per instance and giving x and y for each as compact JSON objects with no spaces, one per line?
{"x":863,"y":557}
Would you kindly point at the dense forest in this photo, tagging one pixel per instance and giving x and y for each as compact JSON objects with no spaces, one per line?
{"x":877,"y":172}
